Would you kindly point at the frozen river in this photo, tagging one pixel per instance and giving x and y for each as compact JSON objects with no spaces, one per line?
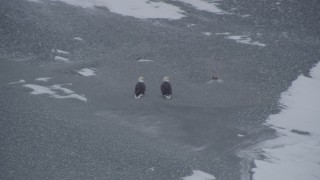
{"x":68,"y":70}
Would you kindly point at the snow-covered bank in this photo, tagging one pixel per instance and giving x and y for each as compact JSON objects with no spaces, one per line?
{"x":143,"y":9}
{"x":205,"y":6}
{"x":199,"y":175}
{"x":295,"y":154}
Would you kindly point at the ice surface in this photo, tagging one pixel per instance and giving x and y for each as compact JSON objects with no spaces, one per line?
{"x":62,"y":59}
{"x":143,"y":9}
{"x":199,"y":175}
{"x":205,"y":6}
{"x":87,"y":72}
{"x":45,"y":79}
{"x":294,"y":156}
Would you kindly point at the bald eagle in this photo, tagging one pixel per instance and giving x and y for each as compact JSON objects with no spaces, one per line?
{"x":166,"y":89}
{"x":140,"y":88}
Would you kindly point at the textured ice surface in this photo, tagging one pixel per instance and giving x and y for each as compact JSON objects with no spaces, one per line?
{"x":294,"y":156}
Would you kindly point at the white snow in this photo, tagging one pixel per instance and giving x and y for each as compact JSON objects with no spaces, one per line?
{"x":245,"y":40}
{"x":20,"y":81}
{"x":145,"y":60}
{"x":213,"y":81}
{"x":45,"y":79}
{"x":143,"y":9}
{"x":294,"y":156}
{"x":87,"y":72}
{"x":245,"y":15}
{"x":78,"y":38}
{"x":225,"y":33}
{"x":62,"y":59}
{"x":191,"y":25}
{"x":62,"y":52}
{"x":59,"y":87}
{"x":199,"y":175}
{"x":75,"y":96}
{"x":207,"y":33}
{"x":37,"y":90}
{"x":204,"y":5}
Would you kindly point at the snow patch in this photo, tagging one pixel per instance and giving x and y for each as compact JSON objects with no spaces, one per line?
{"x":240,"y":135}
{"x":199,"y":175}
{"x":74,"y":96}
{"x":203,"y":5}
{"x":37,"y":90}
{"x":20,"y":81}
{"x":45,"y":79}
{"x":213,"y":81}
{"x":62,"y":52}
{"x":145,"y":60}
{"x":207,"y":33}
{"x":191,"y":25}
{"x":143,"y":9}
{"x":245,"y":15}
{"x":78,"y":38}
{"x":245,"y":40}
{"x":87,"y":72}
{"x":225,"y":33}
{"x":59,"y":87}
{"x":61,"y":59}
{"x":294,"y":155}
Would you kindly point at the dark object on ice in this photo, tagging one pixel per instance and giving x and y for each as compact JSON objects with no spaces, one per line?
{"x":214,"y":77}
{"x":140,"y":88}
{"x":300,"y":132}
{"x":166,"y":89}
